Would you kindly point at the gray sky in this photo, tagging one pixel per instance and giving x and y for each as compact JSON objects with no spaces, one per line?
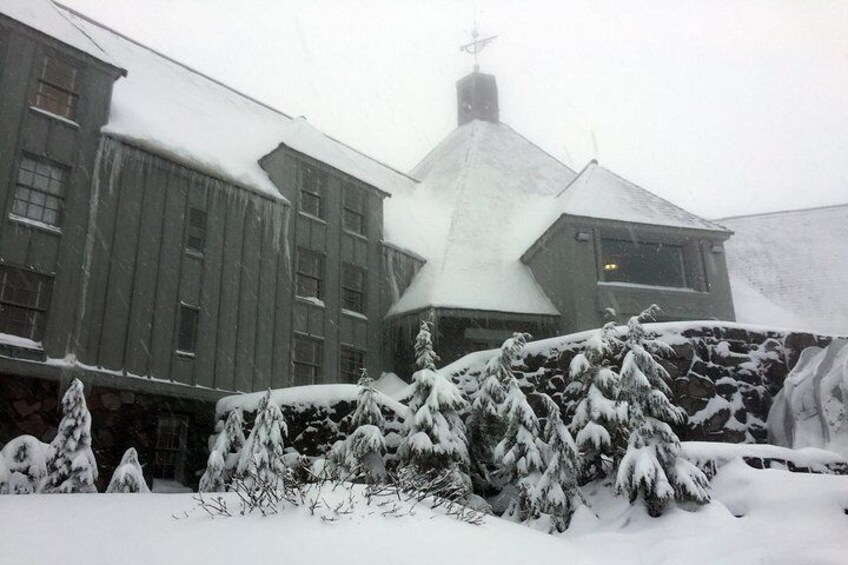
{"x":724,"y":107}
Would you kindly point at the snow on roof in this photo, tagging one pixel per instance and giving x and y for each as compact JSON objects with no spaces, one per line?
{"x":169,"y":108}
{"x":46,"y":17}
{"x":752,"y":307}
{"x":600,"y":193}
{"x":461,"y":219}
{"x":798,"y":260}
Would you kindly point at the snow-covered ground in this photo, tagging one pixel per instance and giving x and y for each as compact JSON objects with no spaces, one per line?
{"x":757,"y":517}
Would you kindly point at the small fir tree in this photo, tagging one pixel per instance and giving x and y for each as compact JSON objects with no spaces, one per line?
{"x":262,"y":455}
{"x":128,"y":477}
{"x":71,"y":466}
{"x":26,"y":462}
{"x":600,"y":418}
{"x":557,"y":494}
{"x":518,"y":453}
{"x":224,"y":456}
{"x":361,"y":453}
{"x":434,"y":435}
{"x":652,"y":468}
{"x":487,"y":419}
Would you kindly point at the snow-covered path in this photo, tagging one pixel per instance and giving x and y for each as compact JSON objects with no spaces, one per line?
{"x":785,"y":518}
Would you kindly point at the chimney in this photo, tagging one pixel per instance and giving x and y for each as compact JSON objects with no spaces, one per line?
{"x":477,"y":98}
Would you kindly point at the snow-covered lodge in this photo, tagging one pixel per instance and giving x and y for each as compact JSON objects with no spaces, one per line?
{"x":169,"y":240}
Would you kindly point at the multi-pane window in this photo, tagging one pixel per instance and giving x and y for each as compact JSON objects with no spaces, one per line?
{"x":638,"y":262}
{"x":310,"y":274}
{"x":354,"y":209}
{"x":306,"y":360}
{"x":196,"y":230}
{"x":353,"y":288}
{"x":56,"y":89}
{"x":24,"y":298}
{"x":40,"y":191}
{"x":169,"y":457}
{"x":352,"y":363}
{"x":313,"y":187}
{"x":187,"y":336}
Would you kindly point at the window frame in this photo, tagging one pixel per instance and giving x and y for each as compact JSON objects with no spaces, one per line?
{"x":685,"y":282}
{"x":348,"y":376}
{"x":316,"y":191}
{"x":70,"y":111}
{"x":59,"y":195}
{"x":347,"y":290}
{"x":191,"y":350}
{"x":349,"y":210}
{"x":313,"y":365}
{"x":195,"y":211}
{"x":318,"y":278}
{"x":37,"y":309}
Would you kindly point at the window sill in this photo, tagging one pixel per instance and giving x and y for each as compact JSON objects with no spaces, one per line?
{"x":61,"y":119}
{"x":312,"y":301}
{"x":649,"y":287}
{"x":354,"y":314}
{"x":35,"y":224}
{"x":185,"y":354}
{"x":195,"y":254}
{"x":20,"y":342}
{"x":309,"y":216}
{"x":361,"y":236}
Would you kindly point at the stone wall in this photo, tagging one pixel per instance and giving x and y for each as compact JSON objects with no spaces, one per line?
{"x":724,"y":375}
{"x":119,"y":419}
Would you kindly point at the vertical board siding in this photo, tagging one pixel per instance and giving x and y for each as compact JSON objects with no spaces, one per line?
{"x":247,"y":302}
{"x":229,"y":296}
{"x":210,"y":290}
{"x":266,"y":301}
{"x":137,"y":357}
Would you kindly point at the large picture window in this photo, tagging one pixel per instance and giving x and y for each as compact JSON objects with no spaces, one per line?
{"x":56,"y":90}
{"x":24,"y":298}
{"x":40,"y":191}
{"x":638,"y":262}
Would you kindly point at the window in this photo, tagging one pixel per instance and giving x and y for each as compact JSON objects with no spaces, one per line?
{"x":637,"y":262}
{"x":355,"y":208}
{"x":352,"y":363}
{"x":56,"y":89}
{"x":313,"y":185}
{"x":310,"y":274}
{"x":196,"y":230}
{"x":169,"y":457}
{"x":187,"y":337}
{"x":24,"y":297}
{"x":307,"y":360}
{"x":40,"y":191}
{"x":353,"y":288}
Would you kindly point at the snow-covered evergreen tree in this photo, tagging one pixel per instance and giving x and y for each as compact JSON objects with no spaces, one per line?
{"x":26,"y":463}
{"x":361,"y":453}
{"x":487,"y":419}
{"x":425,"y":356}
{"x":600,"y":419}
{"x":71,"y":466}
{"x":4,"y":476}
{"x":518,"y":453}
{"x":434,"y":435}
{"x":652,"y":468}
{"x":262,"y":454}
{"x":224,"y":455}
{"x":557,"y":493}
{"x":128,"y":477}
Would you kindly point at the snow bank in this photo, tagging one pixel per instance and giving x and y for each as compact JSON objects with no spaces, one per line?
{"x":757,"y":516}
{"x":704,"y":453}
{"x":302,"y":397}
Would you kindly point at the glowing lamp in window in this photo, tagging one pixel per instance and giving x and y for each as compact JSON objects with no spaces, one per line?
{"x":610,"y":267}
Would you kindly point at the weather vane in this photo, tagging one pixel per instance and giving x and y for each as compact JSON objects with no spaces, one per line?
{"x":477,"y":44}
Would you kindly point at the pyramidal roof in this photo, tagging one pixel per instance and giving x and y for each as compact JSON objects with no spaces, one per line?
{"x":487,"y":194}
{"x":461,"y":219}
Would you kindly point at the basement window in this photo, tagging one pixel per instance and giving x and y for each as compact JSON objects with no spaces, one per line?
{"x":56,"y":89}
{"x":24,"y":298}
{"x":171,"y":447}
{"x":642,"y":263}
